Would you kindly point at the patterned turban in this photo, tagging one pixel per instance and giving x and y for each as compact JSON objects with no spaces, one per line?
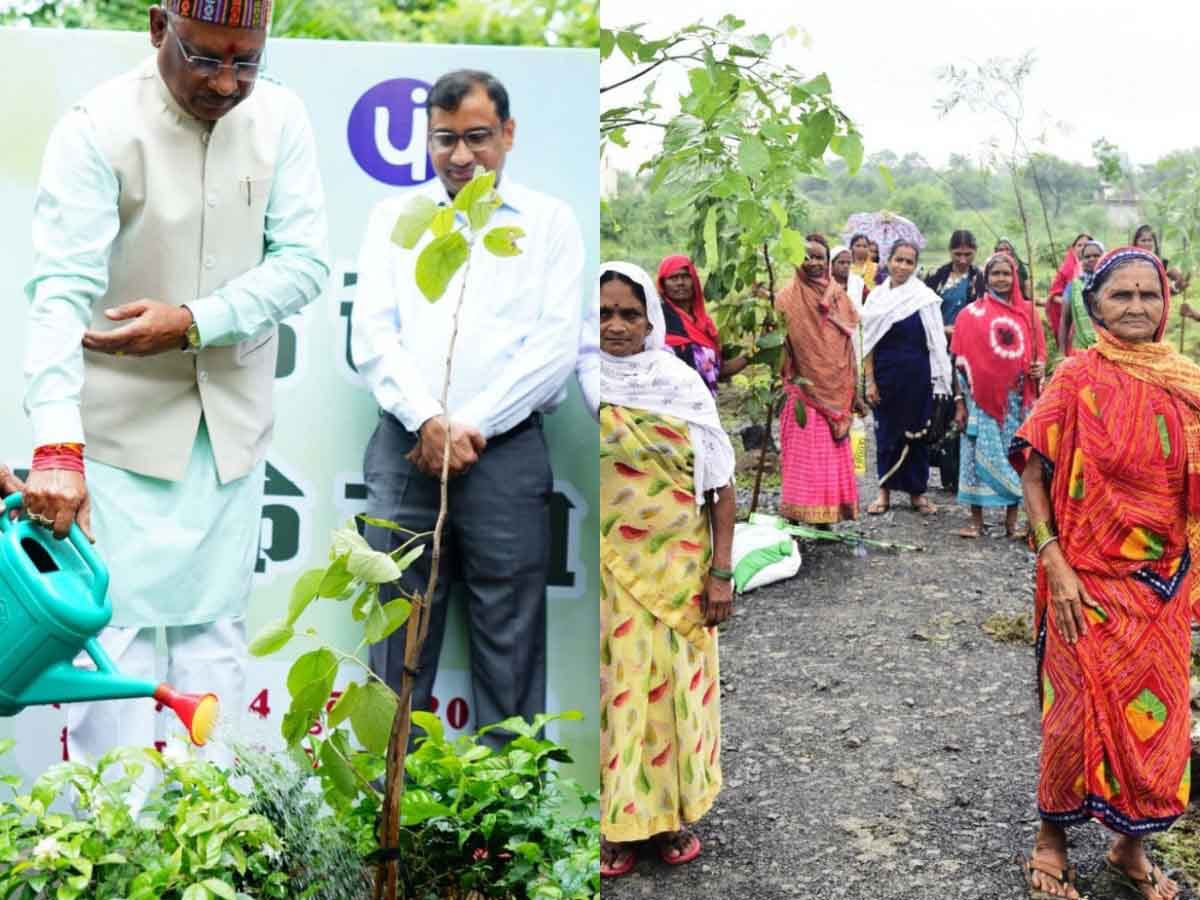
{"x":230,"y":13}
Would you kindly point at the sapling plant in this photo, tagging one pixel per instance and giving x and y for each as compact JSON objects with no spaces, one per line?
{"x":379,"y":717}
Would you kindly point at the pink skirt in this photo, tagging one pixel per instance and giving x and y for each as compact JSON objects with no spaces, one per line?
{"x":819,"y":486}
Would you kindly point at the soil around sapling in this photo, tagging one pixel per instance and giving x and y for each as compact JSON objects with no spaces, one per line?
{"x":878,"y":744}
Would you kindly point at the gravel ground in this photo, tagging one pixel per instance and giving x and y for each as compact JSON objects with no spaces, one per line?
{"x":877,"y":743}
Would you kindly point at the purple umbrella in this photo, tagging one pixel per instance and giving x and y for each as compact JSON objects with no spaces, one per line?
{"x":884,"y":228}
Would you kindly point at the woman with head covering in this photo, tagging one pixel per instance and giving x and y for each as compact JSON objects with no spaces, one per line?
{"x":1004,"y":245}
{"x":906,"y":365}
{"x":691,"y":334}
{"x":1075,"y":331}
{"x":864,"y":259}
{"x":667,"y":512}
{"x":999,"y":351}
{"x":1147,"y":239}
{"x":817,"y":465}
{"x":840,"y":266}
{"x":959,"y":282}
{"x":1067,"y":273}
{"x":1110,"y":460}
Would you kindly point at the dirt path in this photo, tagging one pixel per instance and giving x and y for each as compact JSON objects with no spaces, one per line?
{"x":877,"y":742}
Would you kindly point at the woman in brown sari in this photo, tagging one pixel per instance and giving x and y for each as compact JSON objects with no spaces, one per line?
{"x":820,"y":373}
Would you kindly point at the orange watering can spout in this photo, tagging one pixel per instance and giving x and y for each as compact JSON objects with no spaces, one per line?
{"x":198,"y":712}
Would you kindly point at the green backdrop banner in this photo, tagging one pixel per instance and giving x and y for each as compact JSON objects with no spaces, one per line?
{"x":366,"y":103}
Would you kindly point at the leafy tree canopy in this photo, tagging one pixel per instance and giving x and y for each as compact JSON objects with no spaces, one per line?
{"x":555,"y":23}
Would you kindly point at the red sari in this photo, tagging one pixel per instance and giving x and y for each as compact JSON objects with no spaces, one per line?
{"x":1119,"y":427}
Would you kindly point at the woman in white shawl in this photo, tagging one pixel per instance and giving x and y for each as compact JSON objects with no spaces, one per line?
{"x":856,"y":289}
{"x":906,"y":365}
{"x":667,"y":512}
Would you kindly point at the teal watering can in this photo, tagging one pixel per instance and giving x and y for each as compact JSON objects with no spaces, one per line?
{"x":53,"y":605}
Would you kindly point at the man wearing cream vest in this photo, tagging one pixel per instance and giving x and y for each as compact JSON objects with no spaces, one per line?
{"x":179,"y":218}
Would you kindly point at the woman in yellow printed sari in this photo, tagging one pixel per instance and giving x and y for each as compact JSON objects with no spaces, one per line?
{"x":667,"y":511}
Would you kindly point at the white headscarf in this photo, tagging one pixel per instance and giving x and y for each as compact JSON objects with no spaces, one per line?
{"x":856,"y":288}
{"x":890,"y":305}
{"x":657,"y":381}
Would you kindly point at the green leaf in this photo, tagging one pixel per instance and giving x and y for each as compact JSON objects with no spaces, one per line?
{"x":617,"y":136}
{"x":366,"y":598}
{"x":819,"y":85}
{"x":431,"y":724}
{"x":477,"y":190}
{"x":438,"y":262}
{"x":628,"y":43}
{"x":303,"y":593}
{"x":372,"y":720}
{"x":273,"y":637}
{"x":345,"y":705}
{"x":383,"y":620}
{"x":888,"y":181}
{"x":711,"y":251}
{"x":373,"y":566}
{"x":753,"y":157}
{"x":503,"y":241}
{"x":606,"y":42}
{"x":295,"y":725}
{"x":410,"y":557}
{"x":849,"y":147}
{"x":700,"y":81}
{"x":420,"y":806}
{"x":443,"y":222}
{"x":335,"y":767}
{"x":793,"y":247}
{"x":318,"y":666}
{"x":336,"y":579}
{"x":801,"y":412}
{"x":414,"y":219}
{"x":195,"y":891}
{"x":779,"y":213}
{"x":220,"y":889}
{"x":818,"y":130}
{"x":770,"y":340}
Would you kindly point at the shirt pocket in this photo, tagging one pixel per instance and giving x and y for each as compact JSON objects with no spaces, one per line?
{"x":249,"y":351}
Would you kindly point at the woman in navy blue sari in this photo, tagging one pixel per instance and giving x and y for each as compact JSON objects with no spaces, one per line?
{"x":906,"y":365}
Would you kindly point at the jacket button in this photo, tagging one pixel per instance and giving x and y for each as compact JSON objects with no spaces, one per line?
{"x":209,"y":262}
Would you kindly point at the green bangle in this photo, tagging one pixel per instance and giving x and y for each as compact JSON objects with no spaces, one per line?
{"x":723,"y":574}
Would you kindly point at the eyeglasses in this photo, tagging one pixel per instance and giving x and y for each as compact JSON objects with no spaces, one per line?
{"x":475,"y":139}
{"x":208,"y":67}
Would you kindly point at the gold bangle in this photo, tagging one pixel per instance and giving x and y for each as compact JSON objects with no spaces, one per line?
{"x":1042,"y":533}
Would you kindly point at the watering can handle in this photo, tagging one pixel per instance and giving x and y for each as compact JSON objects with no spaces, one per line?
{"x":76,"y":536}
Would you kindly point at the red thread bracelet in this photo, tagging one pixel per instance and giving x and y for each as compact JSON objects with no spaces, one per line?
{"x":68,"y":457}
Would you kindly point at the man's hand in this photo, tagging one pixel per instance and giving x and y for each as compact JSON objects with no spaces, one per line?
{"x":60,"y":497}
{"x":150,"y":328}
{"x":466,"y":443}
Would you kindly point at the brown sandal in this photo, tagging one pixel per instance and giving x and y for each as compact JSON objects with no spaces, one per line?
{"x":923,"y":506}
{"x":1137,"y":885}
{"x":1065,"y":878}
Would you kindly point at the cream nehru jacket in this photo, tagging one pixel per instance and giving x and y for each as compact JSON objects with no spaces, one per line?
{"x":193,"y":200}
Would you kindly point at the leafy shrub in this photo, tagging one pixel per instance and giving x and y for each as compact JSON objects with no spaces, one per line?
{"x":195,"y":838}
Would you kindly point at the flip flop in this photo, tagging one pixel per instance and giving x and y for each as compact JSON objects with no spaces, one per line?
{"x":621,"y":868}
{"x":925,"y":508}
{"x":1138,"y":885}
{"x":1065,"y":878}
{"x":692,"y":851}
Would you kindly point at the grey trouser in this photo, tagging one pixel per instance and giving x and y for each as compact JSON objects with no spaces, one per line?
{"x":495,"y":550}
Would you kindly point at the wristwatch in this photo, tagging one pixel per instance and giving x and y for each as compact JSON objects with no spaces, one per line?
{"x":191,"y":337}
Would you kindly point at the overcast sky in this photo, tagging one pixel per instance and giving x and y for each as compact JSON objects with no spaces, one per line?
{"x":1127,"y":72}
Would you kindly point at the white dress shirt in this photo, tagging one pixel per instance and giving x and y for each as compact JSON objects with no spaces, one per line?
{"x":518,"y":334}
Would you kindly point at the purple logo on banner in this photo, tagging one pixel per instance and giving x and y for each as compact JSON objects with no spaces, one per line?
{"x":388,"y":132}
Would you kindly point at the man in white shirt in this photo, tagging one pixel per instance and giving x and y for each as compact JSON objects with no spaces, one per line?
{"x":517,"y":343}
{"x":179,"y":217}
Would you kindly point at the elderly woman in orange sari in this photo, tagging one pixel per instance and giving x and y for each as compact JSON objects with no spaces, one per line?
{"x":820,"y":374}
{"x":1111,"y":458}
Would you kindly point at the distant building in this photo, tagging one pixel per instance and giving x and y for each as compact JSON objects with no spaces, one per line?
{"x":1120,"y":207}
